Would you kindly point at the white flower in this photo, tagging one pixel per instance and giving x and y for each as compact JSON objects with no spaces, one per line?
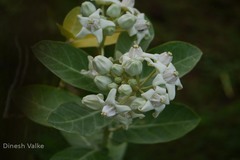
{"x":94,"y":24}
{"x":135,"y":53}
{"x":158,"y":65}
{"x":91,"y":72}
{"x":111,"y":107}
{"x":156,"y":100}
{"x":140,"y":28}
{"x":165,"y":58}
{"x":169,"y":78}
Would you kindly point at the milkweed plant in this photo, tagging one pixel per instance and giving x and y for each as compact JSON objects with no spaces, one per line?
{"x":125,"y":91}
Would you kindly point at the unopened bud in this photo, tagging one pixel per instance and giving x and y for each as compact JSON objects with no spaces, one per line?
{"x":132,"y":82}
{"x":118,"y":80}
{"x":114,"y":11}
{"x":94,"y":102}
{"x":117,"y":69}
{"x":87,"y":8}
{"x":133,"y":67}
{"x":108,"y":31}
{"x":125,"y":89}
{"x":102,"y":64}
{"x":112,"y":85}
{"x":138,"y":103}
{"x":126,"y":21}
{"x":102,"y":82}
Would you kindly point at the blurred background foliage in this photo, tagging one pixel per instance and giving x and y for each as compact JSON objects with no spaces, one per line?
{"x":211,"y":89}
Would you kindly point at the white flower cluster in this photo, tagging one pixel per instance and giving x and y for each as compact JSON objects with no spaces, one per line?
{"x":116,"y":15}
{"x":130,"y":94}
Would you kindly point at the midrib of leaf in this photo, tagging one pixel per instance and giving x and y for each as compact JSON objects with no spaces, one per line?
{"x":157,"y":125}
{"x":88,"y":154}
{"x":187,"y":58}
{"x":78,"y":119}
{"x":41,"y":106}
{"x":57,"y":61}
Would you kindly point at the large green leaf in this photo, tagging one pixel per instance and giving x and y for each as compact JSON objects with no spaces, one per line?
{"x":74,"y":118}
{"x":66,"y":62}
{"x":77,"y":153}
{"x":76,"y":139}
{"x":174,"y":122}
{"x":185,"y":55}
{"x":38,"y":101}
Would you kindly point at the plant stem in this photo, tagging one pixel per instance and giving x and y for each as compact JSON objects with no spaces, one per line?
{"x":101,"y":46}
{"x":106,"y":134}
{"x":147,"y":87}
{"x":148,"y":77}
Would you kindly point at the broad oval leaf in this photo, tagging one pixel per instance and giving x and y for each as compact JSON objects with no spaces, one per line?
{"x":39,"y":101}
{"x":185,"y":55}
{"x":78,"y":140}
{"x":77,"y":153}
{"x":74,"y":118}
{"x":174,"y":122}
{"x":66,"y":62}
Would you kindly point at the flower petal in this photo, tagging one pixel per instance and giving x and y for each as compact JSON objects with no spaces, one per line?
{"x":108,"y":111}
{"x":158,"y":80}
{"x":147,"y":107}
{"x":171,"y":91}
{"x":111,"y":97}
{"x":122,"y":108}
{"x":158,"y":110}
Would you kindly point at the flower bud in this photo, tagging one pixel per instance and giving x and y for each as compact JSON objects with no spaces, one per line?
{"x":102,"y":64}
{"x":125,"y":89}
{"x":112,"y":85}
{"x":102,"y":82}
{"x":133,"y":67}
{"x":126,"y":21}
{"x":108,"y":31}
{"x":114,"y":11}
{"x":132,"y":82}
{"x":87,"y":8}
{"x":117,"y":69}
{"x":118,"y":80}
{"x":138,"y":103}
{"x":94,"y":102}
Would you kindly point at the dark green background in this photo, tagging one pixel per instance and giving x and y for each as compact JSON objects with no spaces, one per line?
{"x":211,"y":89}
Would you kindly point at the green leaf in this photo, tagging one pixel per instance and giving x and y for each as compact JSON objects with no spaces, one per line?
{"x":174,"y":122}
{"x":77,"y":153}
{"x":116,"y":151}
{"x":124,"y":43}
{"x":66,"y":62}
{"x":76,"y":139}
{"x":74,"y":118}
{"x":39,"y":101}
{"x":185,"y":55}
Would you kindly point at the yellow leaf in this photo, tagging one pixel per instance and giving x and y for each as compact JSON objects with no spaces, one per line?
{"x":71,"y":27}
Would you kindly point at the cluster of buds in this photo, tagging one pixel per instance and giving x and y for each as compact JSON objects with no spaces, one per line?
{"x":129,"y":94}
{"x":103,"y":17}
